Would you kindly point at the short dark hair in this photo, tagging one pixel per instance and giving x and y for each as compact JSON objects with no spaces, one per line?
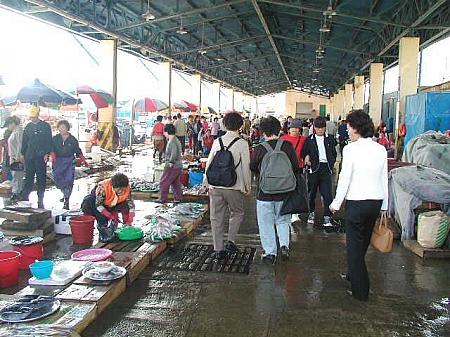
{"x":328,"y":117}
{"x":170,"y":129}
{"x":216,"y":119}
{"x":119,"y":180}
{"x":361,"y":122}
{"x":270,"y":126}
{"x":159,"y":118}
{"x":175,"y":117}
{"x":233,"y":121}
{"x":179,"y":115}
{"x":63,"y":122}
{"x":320,"y":122}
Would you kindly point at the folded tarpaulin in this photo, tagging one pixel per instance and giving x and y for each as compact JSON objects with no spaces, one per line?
{"x":430,"y":149}
{"x":409,"y":187}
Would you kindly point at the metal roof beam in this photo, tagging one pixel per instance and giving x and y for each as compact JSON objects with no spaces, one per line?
{"x":215,"y":20}
{"x":223,"y":44}
{"x":227,"y":64}
{"x":178,"y":15}
{"x":338,"y":13}
{"x":314,"y":43}
{"x":269,"y":36}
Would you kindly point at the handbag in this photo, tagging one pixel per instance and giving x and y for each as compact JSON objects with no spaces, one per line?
{"x":297,"y":200}
{"x":382,"y":237}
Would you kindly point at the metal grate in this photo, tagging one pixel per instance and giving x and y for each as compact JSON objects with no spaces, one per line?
{"x":196,"y":257}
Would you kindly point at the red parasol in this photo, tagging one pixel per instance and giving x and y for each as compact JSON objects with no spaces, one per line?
{"x":100,"y":98}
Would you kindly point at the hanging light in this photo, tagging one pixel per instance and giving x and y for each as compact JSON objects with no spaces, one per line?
{"x":320,"y":50}
{"x":202,"y":51}
{"x":325,"y":28}
{"x":319,"y":56}
{"x":316,"y":70}
{"x":148,"y":15}
{"x":330,"y":11}
{"x":181,"y":30}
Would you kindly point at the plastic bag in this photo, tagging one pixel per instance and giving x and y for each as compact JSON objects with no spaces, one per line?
{"x":432,"y":229}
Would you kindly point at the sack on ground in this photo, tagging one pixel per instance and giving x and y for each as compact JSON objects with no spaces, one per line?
{"x":276,"y":174}
{"x":382,"y":237}
{"x":432,"y":229}
{"x":222,"y":171}
{"x":297,"y":201}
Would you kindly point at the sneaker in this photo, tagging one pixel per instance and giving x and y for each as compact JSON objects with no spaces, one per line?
{"x":231,"y":247}
{"x":295,"y":218}
{"x":269,"y":259}
{"x":220,"y":255}
{"x":327,"y":221}
{"x":284,"y":253}
{"x":311,"y":218}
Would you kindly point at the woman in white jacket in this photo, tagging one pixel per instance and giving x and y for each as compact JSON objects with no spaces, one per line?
{"x":363,"y":183}
{"x":14,"y":149}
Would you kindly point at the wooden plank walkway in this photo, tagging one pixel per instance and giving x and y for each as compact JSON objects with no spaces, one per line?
{"x":83,"y":300}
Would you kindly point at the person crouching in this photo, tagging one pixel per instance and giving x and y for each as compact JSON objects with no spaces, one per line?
{"x":106,"y":200}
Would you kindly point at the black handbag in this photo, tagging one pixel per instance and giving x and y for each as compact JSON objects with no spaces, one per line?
{"x":297,"y":201}
{"x":17,"y":166}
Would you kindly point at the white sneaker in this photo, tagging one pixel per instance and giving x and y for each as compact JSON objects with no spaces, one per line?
{"x":295,"y":218}
{"x":327,"y":221}
{"x":311,"y":218}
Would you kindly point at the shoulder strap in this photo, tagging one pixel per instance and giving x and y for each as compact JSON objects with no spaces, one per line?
{"x":267,"y":147}
{"x":279,"y":143}
{"x":232,"y":142}
{"x":221,"y":143}
{"x":298,"y":142}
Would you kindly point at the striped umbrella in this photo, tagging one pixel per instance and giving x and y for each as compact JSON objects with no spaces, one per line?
{"x":101,"y":98}
{"x":149,"y":105}
{"x":191,"y":106}
{"x":181,"y":106}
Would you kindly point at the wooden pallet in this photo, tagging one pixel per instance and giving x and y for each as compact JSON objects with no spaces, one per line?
{"x":5,"y":190}
{"x":426,"y":253}
{"x":44,"y":230}
{"x":186,"y":197}
{"x":29,"y":216}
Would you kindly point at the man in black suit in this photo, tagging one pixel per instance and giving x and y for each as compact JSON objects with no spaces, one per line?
{"x":319,"y":153}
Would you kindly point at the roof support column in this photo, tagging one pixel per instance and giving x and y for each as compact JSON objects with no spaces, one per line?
{"x":232,"y":99}
{"x":216,"y":88}
{"x":107,"y":116}
{"x":197,"y":90}
{"x":348,"y":104}
{"x":238,"y":103}
{"x":341,"y":107}
{"x":376,"y":92}
{"x":408,"y":63}
{"x":359,"y":93}
{"x":166,"y":83}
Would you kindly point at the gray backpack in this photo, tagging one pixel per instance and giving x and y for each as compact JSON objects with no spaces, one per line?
{"x":276,"y":175}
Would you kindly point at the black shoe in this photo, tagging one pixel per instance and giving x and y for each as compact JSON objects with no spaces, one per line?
{"x":350,"y":293}
{"x":269,"y":259}
{"x":345,"y":277}
{"x":220,"y":255}
{"x":231,"y":247}
{"x":284,"y":253}
{"x":62,"y":200}
{"x":66,"y":205}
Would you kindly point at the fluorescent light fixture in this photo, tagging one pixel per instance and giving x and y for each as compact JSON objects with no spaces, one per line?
{"x":181,"y":30}
{"x":330,"y":11}
{"x":316,"y":70}
{"x":320,"y":50}
{"x":319,"y":56}
{"x":325,"y":28}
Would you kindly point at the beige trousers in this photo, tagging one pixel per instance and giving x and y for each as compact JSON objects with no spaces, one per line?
{"x":221,"y":200}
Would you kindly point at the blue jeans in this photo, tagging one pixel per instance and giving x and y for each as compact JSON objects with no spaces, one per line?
{"x":268,"y":213}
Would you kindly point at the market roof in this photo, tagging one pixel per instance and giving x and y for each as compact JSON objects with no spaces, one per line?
{"x":258,"y":46}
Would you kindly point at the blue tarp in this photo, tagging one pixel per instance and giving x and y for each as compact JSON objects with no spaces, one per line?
{"x":427,"y":111}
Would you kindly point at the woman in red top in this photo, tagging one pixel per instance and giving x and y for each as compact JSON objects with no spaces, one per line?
{"x":158,"y":138}
{"x":296,"y":139}
{"x":208,"y":141}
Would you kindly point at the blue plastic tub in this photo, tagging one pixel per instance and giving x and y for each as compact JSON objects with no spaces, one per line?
{"x":195,"y":178}
{"x":42,"y":269}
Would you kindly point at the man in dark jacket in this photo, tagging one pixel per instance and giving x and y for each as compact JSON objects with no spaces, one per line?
{"x":268,"y":206}
{"x":319,"y":153}
{"x":36,"y":148}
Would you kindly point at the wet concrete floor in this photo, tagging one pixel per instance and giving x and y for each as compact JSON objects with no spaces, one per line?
{"x":302,"y":297}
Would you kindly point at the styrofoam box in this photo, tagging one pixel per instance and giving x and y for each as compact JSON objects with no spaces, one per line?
{"x":61,"y":219}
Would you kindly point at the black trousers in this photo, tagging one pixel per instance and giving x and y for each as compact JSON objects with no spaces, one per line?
{"x":35,"y":167}
{"x":322,"y":180}
{"x":360,"y":217}
{"x":182,"y":140}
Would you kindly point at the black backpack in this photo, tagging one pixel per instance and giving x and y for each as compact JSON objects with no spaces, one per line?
{"x":222,"y":171}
